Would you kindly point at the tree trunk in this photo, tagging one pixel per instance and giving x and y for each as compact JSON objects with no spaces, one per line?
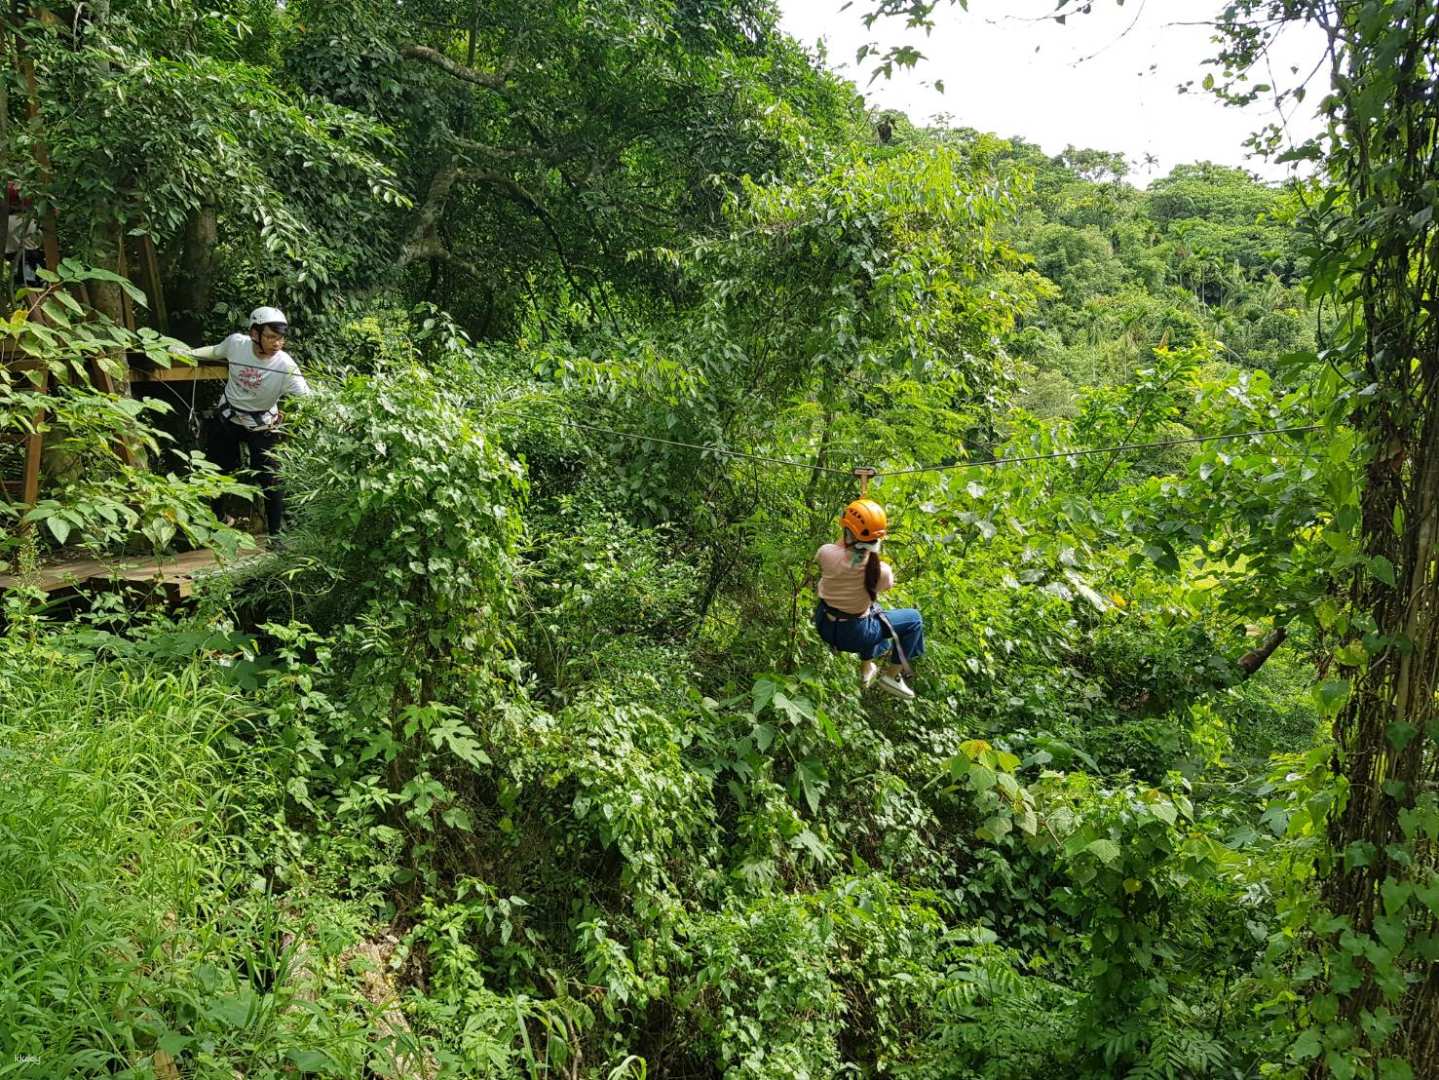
{"x":190,"y":300}
{"x":1384,"y":841}
{"x":106,"y":255}
{"x":1385,"y":736}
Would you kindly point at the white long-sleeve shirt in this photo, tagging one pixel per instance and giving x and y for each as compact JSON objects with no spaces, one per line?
{"x":255,"y":384}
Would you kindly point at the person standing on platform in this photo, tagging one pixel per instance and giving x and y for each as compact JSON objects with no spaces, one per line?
{"x":260,"y":373}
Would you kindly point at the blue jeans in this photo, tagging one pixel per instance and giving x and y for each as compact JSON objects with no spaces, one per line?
{"x":866,"y":637}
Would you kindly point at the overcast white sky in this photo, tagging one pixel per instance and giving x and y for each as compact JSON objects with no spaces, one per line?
{"x":1106,"y":80}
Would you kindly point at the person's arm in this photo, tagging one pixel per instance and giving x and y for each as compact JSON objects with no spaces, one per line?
{"x":296,"y":386}
{"x":886,"y":577}
{"x":210,"y":352}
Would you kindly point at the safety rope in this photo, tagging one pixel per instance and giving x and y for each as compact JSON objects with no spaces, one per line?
{"x":192,"y":419}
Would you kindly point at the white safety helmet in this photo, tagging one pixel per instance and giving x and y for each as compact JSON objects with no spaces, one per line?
{"x":268,"y":316}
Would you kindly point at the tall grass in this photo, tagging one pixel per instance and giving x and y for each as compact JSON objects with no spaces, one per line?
{"x":133,"y":927}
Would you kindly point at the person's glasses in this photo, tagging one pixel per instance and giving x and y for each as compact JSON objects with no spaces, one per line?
{"x":276,"y":331}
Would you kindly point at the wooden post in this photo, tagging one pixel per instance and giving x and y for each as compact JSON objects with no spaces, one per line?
{"x":154,"y":286}
{"x":127,"y":306}
{"x":34,"y":449}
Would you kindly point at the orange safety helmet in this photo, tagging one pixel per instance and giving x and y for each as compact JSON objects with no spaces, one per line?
{"x":865,"y":519}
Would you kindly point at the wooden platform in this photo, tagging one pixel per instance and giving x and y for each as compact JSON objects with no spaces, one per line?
{"x":179,"y":373}
{"x":174,"y":575}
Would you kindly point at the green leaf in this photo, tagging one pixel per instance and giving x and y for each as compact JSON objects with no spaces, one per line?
{"x":1106,"y":851}
{"x":1161,"y":553}
{"x":310,"y":1061}
{"x":811,"y":777}
{"x":1330,"y":696}
{"x":982,"y":777}
{"x":174,"y":1043}
{"x":59,"y":528}
{"x":1396,"y":894}
{"x":1382,"y":569}
{"x":995,"y":827}
{"x":456,"y":818}
{"x":1340,"y":1065}
{"x":796,"y":709}
{"x":1307,"y":1046}
{"x":233,"y":1011}
{"x":811,"y":843}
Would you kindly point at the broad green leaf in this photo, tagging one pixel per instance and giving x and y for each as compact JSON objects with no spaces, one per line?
{"x":59,"y":528}
{"x":981,"y":777}
{"x":1382,"y":569}
{"x":1105,"y":850}
{"x":310,"y":1061}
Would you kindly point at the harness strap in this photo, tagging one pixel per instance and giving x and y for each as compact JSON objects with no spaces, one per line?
{"x":834,"y":614}
{"x":894,"y":637}
{"x":227,"y":404}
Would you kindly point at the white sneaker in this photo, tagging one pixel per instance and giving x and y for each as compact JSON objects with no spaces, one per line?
{"x":868,"y":669}
{"x":892,"y":685}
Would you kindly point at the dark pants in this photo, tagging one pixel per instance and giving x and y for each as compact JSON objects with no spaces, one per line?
{"x":222,"y":446}
{"x":866,"y":637}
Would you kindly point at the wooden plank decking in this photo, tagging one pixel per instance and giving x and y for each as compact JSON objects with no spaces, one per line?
{"x":175,"y":575}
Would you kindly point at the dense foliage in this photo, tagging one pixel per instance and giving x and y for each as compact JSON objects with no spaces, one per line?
{"x":519,"y":757}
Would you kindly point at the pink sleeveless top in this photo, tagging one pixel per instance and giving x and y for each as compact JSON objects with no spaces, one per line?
{"x":841,"y":581}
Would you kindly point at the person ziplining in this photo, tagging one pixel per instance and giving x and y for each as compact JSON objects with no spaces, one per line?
{"x":259,"y":373}
{"x":848,"y":617}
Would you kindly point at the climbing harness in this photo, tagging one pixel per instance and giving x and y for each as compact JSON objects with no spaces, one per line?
{"x":226,"y":411}
{"x":875,"y":612}
{"x":899,"y":654}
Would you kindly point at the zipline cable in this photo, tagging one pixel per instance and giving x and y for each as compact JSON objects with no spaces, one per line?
{"x":689,"y":446}
{"x":878,"y":474}
{"x":192,"y":418}
{"x":1101,"y":450}
{"x":983,"y":462}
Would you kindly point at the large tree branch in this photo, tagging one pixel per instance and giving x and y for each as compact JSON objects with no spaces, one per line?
{"x":1254,"y":659}
{"x":491,"y":80}
{"x":423,"y":241}
{"x":433,"y":249}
